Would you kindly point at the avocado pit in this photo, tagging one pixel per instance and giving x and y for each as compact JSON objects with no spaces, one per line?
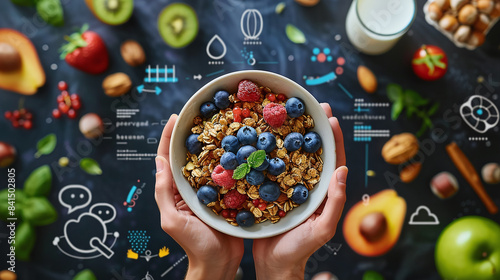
{"x":10,"y":59}
{"x":373,"y":226}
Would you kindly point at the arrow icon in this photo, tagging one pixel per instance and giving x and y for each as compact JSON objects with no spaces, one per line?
{"x":197,"y":77}
{"x":141,"y":89}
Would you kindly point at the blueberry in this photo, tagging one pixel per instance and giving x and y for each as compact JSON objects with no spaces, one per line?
{"x":300,"y":194}
{"x":207,"y":194}
{"x":312,"y":142}
{"x":193,"y":145}
{"x":208,"y":109}
{"x":255,"y":177}
{"x":245,"y":219}
{"x":221,"y":99}
{"x":266,"y":141}
{"x":276,"y":166}
{"x":247,"y":135}
{"x":230,"y":144}
{"x":229,"y":161}
{"x":293,"y":141}
{"x":264,"y":165}
{"x":294,"y":107}
{"x":269,"y":191}
{"x":244,"y":152}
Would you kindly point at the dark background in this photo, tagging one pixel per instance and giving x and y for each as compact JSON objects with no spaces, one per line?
{"x":412,"y":256}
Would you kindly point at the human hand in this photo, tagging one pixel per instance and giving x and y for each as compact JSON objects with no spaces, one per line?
{"x":284,"y":256}
{"x":211,"y":254}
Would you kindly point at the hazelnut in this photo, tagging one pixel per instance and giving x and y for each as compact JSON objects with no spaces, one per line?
{"x":7,"y":275}
{"x":457,"y":4}
{"x":485,"y":6}
{"x":448,"y":23}
{"x":10,"y":59}
{"x":91,"y":126}
{"x":482,"y":23}
{"x":116,"y":84}
{"x":133,"y":53}
{"x":410,"y":172}
{"x":400,"y":148}
{"x":442,"y":4}
{"x":444,"y":185}
{"x":373,"y":226}
{"x":491,"y":173}
{"x":462,"y":34}
{"x":467,"y":15}
{"x":476,"y":39}
{"x":7,"y":154}
{"x":435,"y":13}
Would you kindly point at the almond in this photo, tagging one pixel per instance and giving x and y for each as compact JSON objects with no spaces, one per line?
{"x":410,"y":172}
{"x":367,"y":79}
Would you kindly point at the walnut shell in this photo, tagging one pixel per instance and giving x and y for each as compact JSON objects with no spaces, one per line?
{"x":467,"y":15}
{"x":133,"y":53}
{"x":400,"y":148}
{"x":116,"y":84}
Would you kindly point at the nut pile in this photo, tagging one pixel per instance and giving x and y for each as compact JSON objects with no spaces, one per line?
{"x":232,"y":199}
{"x":466,"y":22}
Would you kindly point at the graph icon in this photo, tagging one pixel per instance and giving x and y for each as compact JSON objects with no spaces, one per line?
{"x":160,"y":74}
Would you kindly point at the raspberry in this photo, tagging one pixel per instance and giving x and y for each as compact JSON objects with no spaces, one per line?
{"x":248,"y":91}
{"x":274,"y":114}
{"x":233,"y":199}
{"x":223,"y":177}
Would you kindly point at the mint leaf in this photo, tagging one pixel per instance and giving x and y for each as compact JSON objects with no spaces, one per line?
{"x":90,"y":166}
{"x":394,"y":92}
{"x":46,"y":145}
{"x":397,"y":108}
{"x":412,"y":98}
{"x":433,"y":109}
{"x":256,"y":158}
{"x":294,"y":34}
{"x":241,"y":171}
{"x":38,"y":182}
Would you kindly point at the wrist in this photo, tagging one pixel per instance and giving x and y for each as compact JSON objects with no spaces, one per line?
{"x":214,"y":269}
{"x":264,"y":270}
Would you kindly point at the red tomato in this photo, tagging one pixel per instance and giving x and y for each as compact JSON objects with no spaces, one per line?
{"x":430,"y":63}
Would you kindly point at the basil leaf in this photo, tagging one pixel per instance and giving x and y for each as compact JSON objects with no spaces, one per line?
{"x":412,"y":98}
{"x":241,"y":171}
{"x":17,"y":201}
{"x":50,"y":11}
{"x":85,"y":274}
{"x":46,"y":145}
{"x":24,"y":241}
{"x":90,"y":166}
{"x":39,"y":182}
{"x":394,"y":92}
{"x":397,"y":108}
{"x":433,"y":109}
{"x":38,"y":211}
{"x":294,"y":34}
{"x":256,"y":158}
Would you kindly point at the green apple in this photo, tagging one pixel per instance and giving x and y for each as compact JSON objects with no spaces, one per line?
{"x":469,"y":248}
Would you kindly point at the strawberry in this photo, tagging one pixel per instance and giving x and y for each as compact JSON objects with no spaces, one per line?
{"x":86,"y":51}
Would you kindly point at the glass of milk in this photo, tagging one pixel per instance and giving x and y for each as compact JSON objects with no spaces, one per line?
{"x":374,"y":26}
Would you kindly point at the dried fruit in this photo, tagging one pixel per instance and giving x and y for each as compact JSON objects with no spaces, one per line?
{"x":367,"y":79}
{"x":133,"y":53}
{"x":400,"y":148}
{"x":116,"y":84}
{"x":410,"y":172}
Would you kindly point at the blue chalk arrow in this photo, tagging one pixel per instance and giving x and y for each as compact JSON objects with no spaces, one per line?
{"x":141,"y":89}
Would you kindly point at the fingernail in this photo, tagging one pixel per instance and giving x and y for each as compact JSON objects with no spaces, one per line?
{"x":159,"y":164}
{"x":342,"y":174}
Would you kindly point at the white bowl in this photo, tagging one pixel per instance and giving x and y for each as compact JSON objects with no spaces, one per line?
{"x":278,"y":84}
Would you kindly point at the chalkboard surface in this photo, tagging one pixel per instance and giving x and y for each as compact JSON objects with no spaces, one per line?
{"x":123,"y":195}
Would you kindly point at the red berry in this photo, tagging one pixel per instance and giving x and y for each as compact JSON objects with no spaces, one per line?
{"x":75,"y":96}
{"x":63,"y":107}
{"x":225,"y":213}
{"x":28,"y":124}
{"x":237,"y":114}
{"x":62,"y":85}
{"x":75,"y":103}
{"x":248,"y":91}
{"x":20,"y":122}
{"x":281,"y":213}
{"x":60,"y":99}
{"x":233,"y":199}
{"x":237,"y":110}
{"x":64,"y":94}
{"x":237,"y":118}
{"x":245,"y":113}
{"x":22,"y":111}
{"x":16,"y":114}
{"x":15,"y":123}
{"x":223,"y":177}
{"x":28,"y":116}
{"x":262,"y":206}
{"x":271,"y":97}
{"x":56,"y":113}
{"x":281,"y":97}
{"x":274,"y":114}
{"x":232,"y":213}
{"x":256,"y":202}
{"x":8,"y":114}
{"x":71,"y":113}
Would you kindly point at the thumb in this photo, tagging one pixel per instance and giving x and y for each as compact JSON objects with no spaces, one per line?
{"x":335,"y":199}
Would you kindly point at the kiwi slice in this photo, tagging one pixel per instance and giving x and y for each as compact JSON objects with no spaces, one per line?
{"x":178,"y":25}
{"x":113,"y":12}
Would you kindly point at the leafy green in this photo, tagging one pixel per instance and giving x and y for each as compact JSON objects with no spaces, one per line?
{"x":46,"y":145}
{"x":85,"y":274}
{"x":241,"y":171}
{"x":50,"y":11}
{"x":16,"y":201}
{"x":24,"y":241}
{"x":256,"y":158}
{"x":413,"y":103}
{"x":39,"y":182}
{"x":38,"y":211}
{"x":90,"y":166}
{"x":294,"y":34}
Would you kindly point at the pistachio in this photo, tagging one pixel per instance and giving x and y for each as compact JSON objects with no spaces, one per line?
{"x":400,"y":148}
{"x":133,"y":53}
{"x":116,"y":84}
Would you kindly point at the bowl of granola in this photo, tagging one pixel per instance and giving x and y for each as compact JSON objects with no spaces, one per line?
{"x":249,"y":152}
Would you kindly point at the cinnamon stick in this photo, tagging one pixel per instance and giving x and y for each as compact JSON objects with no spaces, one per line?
{"x":469,"y":173}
